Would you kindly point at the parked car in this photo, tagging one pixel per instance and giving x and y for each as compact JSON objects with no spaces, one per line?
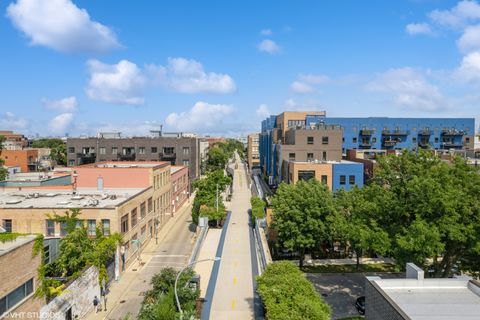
{"x":360,"y":304}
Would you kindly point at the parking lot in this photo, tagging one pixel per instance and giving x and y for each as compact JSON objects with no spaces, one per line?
{"x":340,"y":290}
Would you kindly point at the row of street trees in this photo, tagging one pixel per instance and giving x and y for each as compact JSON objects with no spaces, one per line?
{"x":208,"y":201}
{"x":417,"y":208}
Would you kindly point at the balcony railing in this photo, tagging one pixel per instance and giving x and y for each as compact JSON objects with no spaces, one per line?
{"x":389,"y":143}
{"x":365,"y":144}
{"x":366,"y":132}
{"x":126,"y":157}
{"x":394,"y":132}
{"x":451,"y":144}
{"x":453,"y":132}
{"x":425,"y":132}
{"x":164,"y":156}
{"x":423,"y":144}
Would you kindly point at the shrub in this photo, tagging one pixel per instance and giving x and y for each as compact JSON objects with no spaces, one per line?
{"x":258,"y":208}
{"x":287,"y":294}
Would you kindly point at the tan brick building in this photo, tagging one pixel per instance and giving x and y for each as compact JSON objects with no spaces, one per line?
{"x":18,"y":286}
{"x":252,"y":150}
{"x":100,"y":191}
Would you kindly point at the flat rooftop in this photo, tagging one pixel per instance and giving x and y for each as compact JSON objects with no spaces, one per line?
{"x":326,"y":162}
{"x":6,"y":247}
{"x":55,"y":198}
{"x":174,"y":169}
{"x":428,"y":299}
{"x":126,"y":164}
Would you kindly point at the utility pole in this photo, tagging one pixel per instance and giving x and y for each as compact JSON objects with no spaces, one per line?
{"x":216,"y":199}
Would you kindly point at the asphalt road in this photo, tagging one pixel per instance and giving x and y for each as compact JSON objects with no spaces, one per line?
{"x":172,"y":251}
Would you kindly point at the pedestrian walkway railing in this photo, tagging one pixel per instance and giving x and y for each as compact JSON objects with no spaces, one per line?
{"x":199,"y":242}
{"x":263,"y":251}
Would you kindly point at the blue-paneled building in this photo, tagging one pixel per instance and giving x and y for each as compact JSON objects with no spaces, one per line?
{"x":380,"y":133}
{"x":405,"y":133}
{"x":346,"y":175}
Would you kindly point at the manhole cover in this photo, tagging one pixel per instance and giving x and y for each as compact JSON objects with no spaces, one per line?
{"x":234,"y":223}
{"x":123,"y":301}
{"x":164,"y":251}
{"x":134,"y":269}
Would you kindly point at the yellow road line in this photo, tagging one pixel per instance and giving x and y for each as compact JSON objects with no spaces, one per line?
{"x":233,"y":304}
{"x":234,"y":280}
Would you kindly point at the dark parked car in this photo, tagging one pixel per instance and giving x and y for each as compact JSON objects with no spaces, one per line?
{"x":360,"y":304}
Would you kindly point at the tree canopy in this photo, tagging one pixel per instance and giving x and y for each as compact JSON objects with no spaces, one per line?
{"x":3,"y":171}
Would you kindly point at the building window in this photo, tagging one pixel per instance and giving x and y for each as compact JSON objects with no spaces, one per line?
{"x":342,"y":180}
{"x":354,"y":140}
{"x":106,"y":227}
{"x":114,"y":150}
{"x":150,"y":204}
{"x":414,"y":140}
{"x":467,"y":139}
{"x":186,"y":163}
{"x":351,"y":179}
{"x":306,"y":175}
{"x":186,"y":150}
{"x":309,"y":140}
{"x":154,"y":150}
{"x":168,"y":150}
{"x":143,"y":210}
{"x":133,"y":217}
{"x":436,"y":140}
{"x":102,"y":150}
{"x":7,"y":225}
{"x":63,"y":229}
{"x":92,"y":227}
{"x":324,"y":179}
{"x":309,"y":156}
{"x":16,"y":296}
{"x":50,"y":228}
{"x":124,"y":224}
{"x":141,"y":150}
{"x":71,"y":162}
{"x":324,"y":155}
{"x":71,"y":149}
{"x":324,"y":140}
{"x":142,"y":231}
{"x":374,"y":140}
{"x":343,"y":139}
{"x":291,"y":156}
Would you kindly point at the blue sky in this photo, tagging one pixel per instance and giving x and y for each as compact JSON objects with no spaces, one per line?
{"x":219,"y":67}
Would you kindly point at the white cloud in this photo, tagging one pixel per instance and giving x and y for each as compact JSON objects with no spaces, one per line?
{"x":9,"y":121}
{"x":202,"y":117}
{"x":305,"y":83}
{"x":266,"y":32}
{"x":68,"y":104}
{"x":463,"y":13}
{"x":61,"y":25}
{"x":301,"y":87}
{"x":121,"y":83}
{"x":307,"y":105}
{"x":419,"y":28}
{"x":268,"y":46}
{"x":469,"y":70}
{"x":470,"y":39}
{"x":188,"y":76}
{"x":60,"y":123}
{"x":263,"y":111}
{"x":410,"y":89}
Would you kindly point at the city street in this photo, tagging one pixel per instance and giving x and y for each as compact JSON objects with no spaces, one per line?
{"x":176,"y":241}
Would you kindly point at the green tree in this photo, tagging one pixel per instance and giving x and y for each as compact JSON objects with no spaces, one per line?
{"x":3,"y":171}
{"x":357,"y":224}
{"x":287,"y":294}
{"x":57,"y":147}
{"x":299,"y":214}
{"x":258,"y":208}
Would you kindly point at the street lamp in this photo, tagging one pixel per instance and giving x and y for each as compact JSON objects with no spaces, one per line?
{"x":178,"y":276}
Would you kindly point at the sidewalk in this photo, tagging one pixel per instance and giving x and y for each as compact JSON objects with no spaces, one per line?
{"x":321,"y":262}
{"x":130,"y":279}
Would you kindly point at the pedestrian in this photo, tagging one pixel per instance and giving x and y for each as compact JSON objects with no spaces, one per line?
{"x":96,"y":302}
{"x":122,"y":256}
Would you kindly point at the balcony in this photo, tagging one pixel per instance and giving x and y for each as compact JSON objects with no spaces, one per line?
{"x":389,"y":143}
{"x":395,"y":132}
{"x":423,"y":144}
{"x":453,"y":132}
{"x":425,"y":132}
{"x":126,"y":157}
{"x":171,"y":157}
{"x":365,"y":144}
{"x":86,"y":158}
{"x":366,"y":132}
{"x":452,"y":144}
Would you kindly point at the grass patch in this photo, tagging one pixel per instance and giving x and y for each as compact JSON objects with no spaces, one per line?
{"x":351,"y":268}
